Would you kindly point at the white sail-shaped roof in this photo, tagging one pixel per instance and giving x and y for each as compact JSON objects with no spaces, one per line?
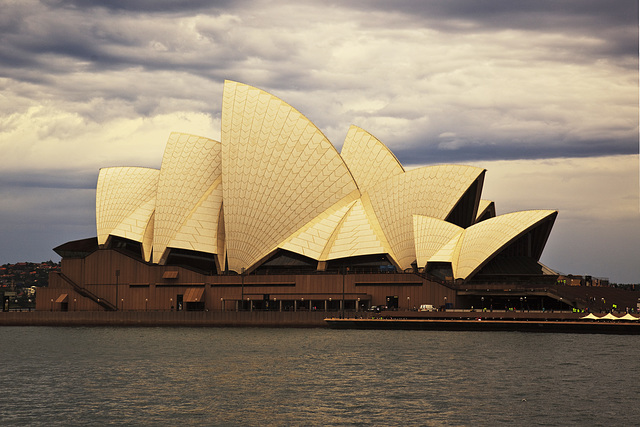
{"x":481,"y":241}
{"x":628,"y":316}
{"x":313,"y":239}
{"x":469,"y":249}
{"x":432,"y":235}
{"x":187,"y":195}
{"x":275,"y":182}
{"x":199,"y":231}
{"x":610,"y":316}
{"x":369,"y":160}
{"x":356,"y":235}
{"x":279,"y":172}
{"x":125,"y":202}
{"x":429,"y":191}
{"x":590,"y":316}
{"x":486,"y":210}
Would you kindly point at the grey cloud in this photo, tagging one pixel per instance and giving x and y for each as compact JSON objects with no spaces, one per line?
{"x":49,"y":179}
{"x":38,"y":219}
{"x":90,"y":84}
{"x":116,"y":59}
{"x":492,"y":14}
{"x":427,"y":151}
{"x":43,"y":210}
{"x":100,"y":42}
{"x":144,"y":6}
{"x":109,"y":38}
{"x":615,"y":23}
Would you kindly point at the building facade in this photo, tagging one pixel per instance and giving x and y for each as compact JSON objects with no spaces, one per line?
{"x":272,"y":217}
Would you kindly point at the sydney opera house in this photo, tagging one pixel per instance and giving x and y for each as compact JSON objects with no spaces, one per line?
{"x":273,"y":217}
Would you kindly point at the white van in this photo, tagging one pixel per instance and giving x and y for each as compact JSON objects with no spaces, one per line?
{"x":427,"y":307}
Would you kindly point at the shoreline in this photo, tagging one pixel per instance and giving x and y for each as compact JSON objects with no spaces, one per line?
{"x":165,"y":318}
{"x":491,"y":325}
{"x":408,"y":320}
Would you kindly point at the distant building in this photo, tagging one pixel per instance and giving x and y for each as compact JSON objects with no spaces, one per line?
{"x":574,"y":280}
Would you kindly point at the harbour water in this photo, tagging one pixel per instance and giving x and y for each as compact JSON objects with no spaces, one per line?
{"x":260,"y":376}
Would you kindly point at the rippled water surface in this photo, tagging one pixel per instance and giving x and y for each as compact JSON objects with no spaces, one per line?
{"x":238,"y":376}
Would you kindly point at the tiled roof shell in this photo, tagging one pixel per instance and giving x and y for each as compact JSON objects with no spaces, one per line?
{"x":189,"y":196}
{"x":275,"y":182}
{"x":125,"y":203}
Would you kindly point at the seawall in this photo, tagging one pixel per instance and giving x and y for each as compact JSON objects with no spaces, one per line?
{"x":445,"y":321}
{"x":165,"y":318}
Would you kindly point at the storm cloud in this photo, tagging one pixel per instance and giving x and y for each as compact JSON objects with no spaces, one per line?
{"x":89,"y":84}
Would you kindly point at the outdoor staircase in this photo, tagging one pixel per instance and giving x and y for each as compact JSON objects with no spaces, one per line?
{"x":88,"y":294}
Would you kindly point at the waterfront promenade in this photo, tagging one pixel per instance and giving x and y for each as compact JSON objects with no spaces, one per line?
{"x":165,"y":318}
{"x":538,"y":321}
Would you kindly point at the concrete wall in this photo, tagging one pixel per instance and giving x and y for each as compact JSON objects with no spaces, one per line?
{"x":164,"y":318}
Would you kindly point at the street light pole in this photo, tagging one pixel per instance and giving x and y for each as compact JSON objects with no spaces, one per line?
{"x":117,"y":276}
{"x":242,"y":285}
{"x":343,"y":274}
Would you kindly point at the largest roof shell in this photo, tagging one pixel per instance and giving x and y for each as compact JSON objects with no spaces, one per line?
{"x":279,"y":172}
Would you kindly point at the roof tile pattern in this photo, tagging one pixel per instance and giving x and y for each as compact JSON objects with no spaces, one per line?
{"x":468,"y":249}
{"x":279,"y":172}
{"x":431,"y":235}
{"x":429,"y":191}
{"x":486,"y":238}
{"x":199,"y":231}
{"x":313,"y":238}
{"x":449,"y":252}
{"x":486,"y":207}
{"x":190,"y":166}
{"x":275,"y":181}
{"x":125,"y":202}
{"x":369,"y":160}
{"x":355,"y":235}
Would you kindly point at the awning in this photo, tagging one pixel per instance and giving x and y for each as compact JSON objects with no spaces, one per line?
{"x":193,"y":295}
{"x":609,"y":316}
{"x":62,"y":298}
{"x":170,"y":275}
{"x":590,"y":316}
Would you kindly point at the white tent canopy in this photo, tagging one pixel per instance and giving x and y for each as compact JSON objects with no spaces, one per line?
{"x":590,"y":316}
{"x":610,"y":316}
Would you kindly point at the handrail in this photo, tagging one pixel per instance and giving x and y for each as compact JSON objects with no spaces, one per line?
{"x":435,"y":279}
{"x":87,"y":293}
